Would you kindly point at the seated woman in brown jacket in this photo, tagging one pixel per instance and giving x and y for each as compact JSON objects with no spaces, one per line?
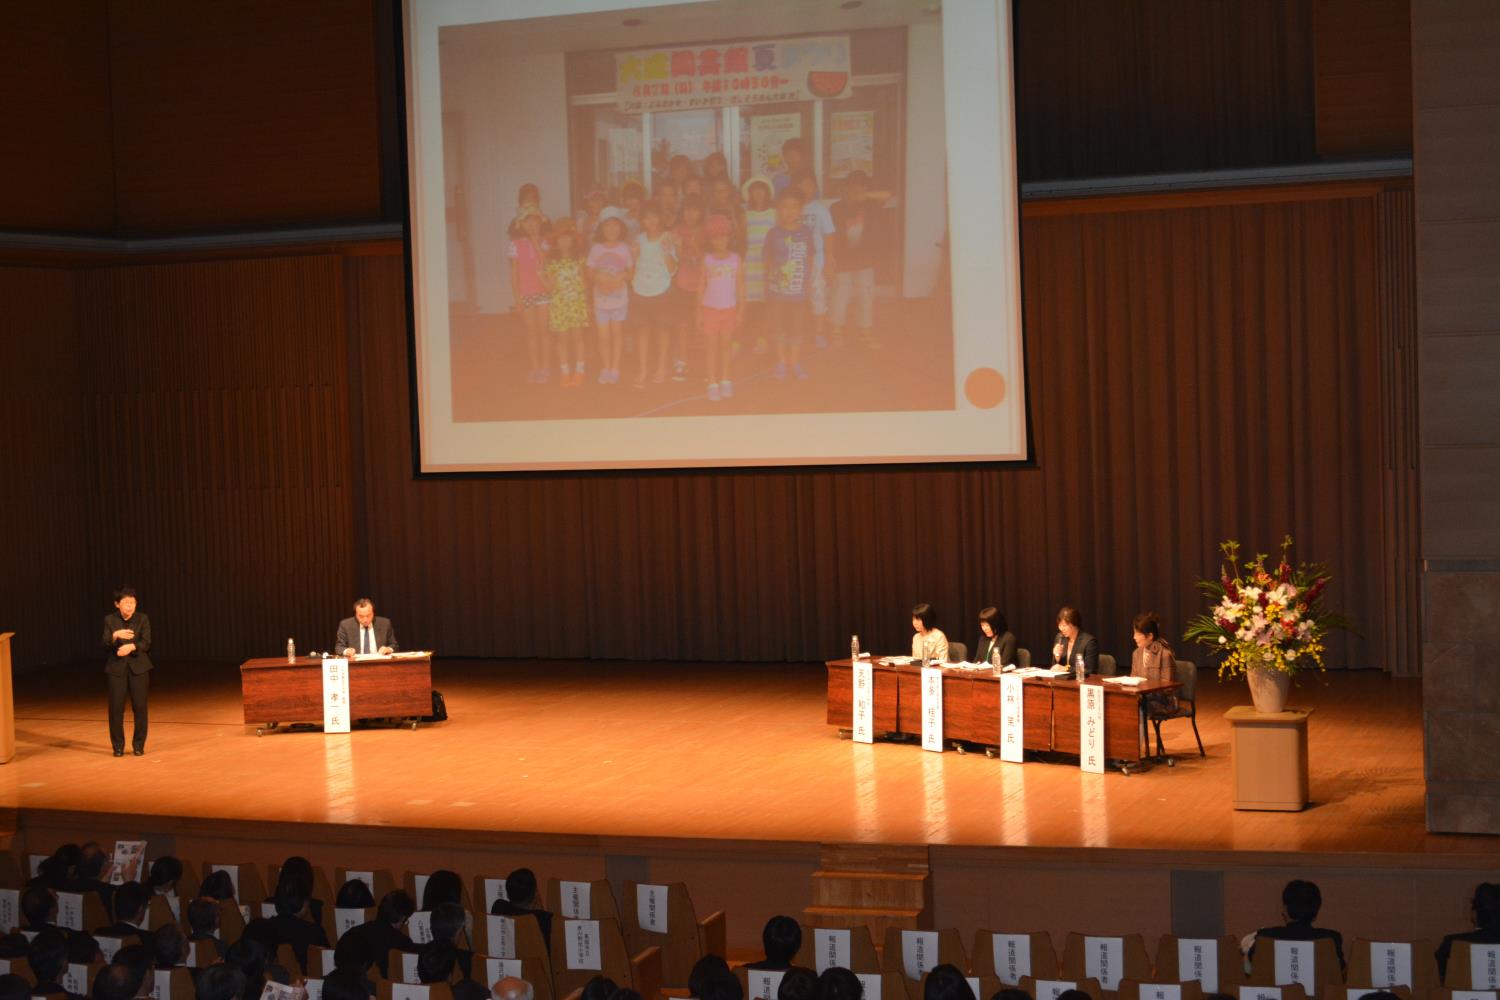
{"x":1152,"y":659}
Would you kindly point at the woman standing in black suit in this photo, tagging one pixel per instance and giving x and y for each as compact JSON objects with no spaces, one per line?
{"x":127,"y":636}
{"x":994,"y":635}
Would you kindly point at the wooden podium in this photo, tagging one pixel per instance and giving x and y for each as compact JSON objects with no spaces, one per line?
{"x":7,"y":703}
{"x":1269,"y":750}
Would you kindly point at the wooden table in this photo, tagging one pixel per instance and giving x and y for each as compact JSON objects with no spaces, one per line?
{"x":1269,"y":754}
{"x":971,"y":708}
{"x":277,"y":691}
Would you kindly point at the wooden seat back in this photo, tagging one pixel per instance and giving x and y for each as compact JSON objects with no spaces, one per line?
{"x":1228,"y":974}
{"x":1042,"y":958}
{"x":601,"y":901}
{"x":1077,"y":962}
{"x":862,"y":955}
{"x":950,"y":951}
{"x":613,"y":959}
{"x":679,"y":944}
{"x":1325,"y":972}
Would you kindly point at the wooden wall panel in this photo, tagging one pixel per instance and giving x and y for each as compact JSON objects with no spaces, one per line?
{"x":56,"y":161}
{"x":43,"y":469}
{"x":216,"y":410}
{"x":1363,"y":78}
{"x":244,"y":115}
{"x":1195,"y":373}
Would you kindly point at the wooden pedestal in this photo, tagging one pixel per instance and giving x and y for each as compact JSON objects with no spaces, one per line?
{"x":1269,"y":752}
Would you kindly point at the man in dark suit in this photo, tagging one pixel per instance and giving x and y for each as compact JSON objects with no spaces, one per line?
{"x":131,"y":900}
{"x":1300,"y":903}
{"x":365,"y":633}
{"x":294,"y":924}
{"x":521,"y":900}
{"x":89,"y":875}
{"x":127,"y":636}
{"x":387,"y":932}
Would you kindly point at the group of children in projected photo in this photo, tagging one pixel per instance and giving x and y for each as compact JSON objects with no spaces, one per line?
{"x":699,"y":268}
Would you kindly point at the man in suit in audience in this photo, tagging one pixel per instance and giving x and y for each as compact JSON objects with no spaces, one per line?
{"x":436,"y":965}
{"x":127,"y":636}
{"x":119,"y":981}
{"x":48,"y":958}
{"x":782,"y":939}
{"x":203,"y":926}
{"x":39,"y":908}
{"x":1300,"y":903}
{"x":387,"y":931}
{"x":89,"y":877}
{"x":294,"y":924}
{"x":521,"y":900}
{"x":365,"y":632}
{"x":131,"y":901}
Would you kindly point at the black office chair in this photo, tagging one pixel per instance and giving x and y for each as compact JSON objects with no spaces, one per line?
{"x":1187,"y":706}
{"x":1107,"y":665}
{"x":958,"y":652}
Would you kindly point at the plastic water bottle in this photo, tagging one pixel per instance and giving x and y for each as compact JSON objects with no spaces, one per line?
{"x":291,"y":651}
{"x":854,"y":649}
{"x":995,"y":659}
{"x":1078,"y":672}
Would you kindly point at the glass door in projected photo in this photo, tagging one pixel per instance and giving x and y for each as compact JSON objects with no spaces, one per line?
{"x":662,"y":236}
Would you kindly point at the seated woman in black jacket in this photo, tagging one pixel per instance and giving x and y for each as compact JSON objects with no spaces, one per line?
{"x":994,"y":635}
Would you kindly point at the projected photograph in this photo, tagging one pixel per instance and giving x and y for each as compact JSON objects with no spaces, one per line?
{"x":667,"y":214}
{"x":675,"y":228}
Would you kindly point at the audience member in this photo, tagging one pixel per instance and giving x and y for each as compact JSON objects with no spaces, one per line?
{"x":221,"y":981}
{"x":437,"y":963}
{"x":48,"y":959}
{"x":511,"y":988}
{"x":83,"y":949}
{"x":521,"y":899}
{"x":249,"y":956}
{"x":603,"y":987}
{"x":443,"y":886}
{"x":294,"y":921}
{"x":353,"y":952}
{"x":841,"y":984}
{"x":387,"y":931}
{"x":946,"y":982}
{"x":1073,"y":995}
{"x":171,"y":946}
{"x":296,"y":875}
{"x":448,"y":919}
{"x":89,"y":875}
{"x":1300,"y":903}
{"x":799,"y":983}
{"x":354,"y":895}
{"x":14,"y":945}
{"x":130,"y":915}
{"x":13,"y":987}
{"x":1484,"y":910}
{"x":705,"y":979}
{"x":217,"y":885}
{"x":165,"y":873}
{"x":782,"y":939}
{"x":203,"y":923}
{"x":343,"y":984}
{"x":118,"y":982}
{"x":1011,"y":993}
{"x":38,"y":908}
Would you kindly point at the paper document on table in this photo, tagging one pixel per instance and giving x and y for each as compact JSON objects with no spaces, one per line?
{"x":1130,"y":680}
{"x":415,"y":654}
{"x":362,"y":657}
{"x":897,"y":661}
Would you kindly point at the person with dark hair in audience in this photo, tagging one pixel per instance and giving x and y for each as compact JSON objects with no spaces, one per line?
{"x":603,"y":987}
{"x":130,"y":915}
{"x":138,"y":958}
{"x":1300,"y":903}
{"x":203,"y":925}
{"x":294,"y":922}
{"x":171,"y":946}
{"x":946,"y":982}
{"x":798,"y":983}
{"x":353,"y":953}
{"x":448,"y":921}
{"x":781,"y":939}
{"x":217,"y":885}
{"x":225,"y":982}
{"x":1072,"y":642}
{"x":1074,"y":994}
{"x":13,"y":987}
{"x":354,"y":895}
{"x":928,"y":641}
{"x":38,"y":908}
{"x":118,"y":981}
{"x":14,"y":945}
{"x":343,"y":984}
{"x":705,"y":973}
{"x":521,"y":899}
{"x":83,"y":949}
{"x":1011,"y":993}
{"x":841,"y":984}
{"x":387,"y":931}
{"x":995,"y":636}
{"x":249,"y":955}
{"x":1484,"y":908}
{"x":1379,"y":995}
{"x":48,"y":958}
{"x":625,"y":994}
{"x":296,"y":875}
{"x":89,"y":875}
{"x":443,"y":886}
{"x":166,"y":872}
{"x":435,"y":964}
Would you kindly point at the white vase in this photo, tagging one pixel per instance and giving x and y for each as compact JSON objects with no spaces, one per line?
{"x":1268,"y":688}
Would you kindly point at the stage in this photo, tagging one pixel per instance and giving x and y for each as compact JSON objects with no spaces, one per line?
{"x":674,"y":770}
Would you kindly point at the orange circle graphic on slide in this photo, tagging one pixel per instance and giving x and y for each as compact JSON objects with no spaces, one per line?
{"x":984,"y":388}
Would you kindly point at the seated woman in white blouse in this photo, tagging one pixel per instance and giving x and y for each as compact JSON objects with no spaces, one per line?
{"x":929,"y":642}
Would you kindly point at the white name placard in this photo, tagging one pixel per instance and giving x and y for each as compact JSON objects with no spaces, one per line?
{"x":336,"y":698}
{"x":419,"y":884}
{"x":161,"y":984}
{"x":1295,"y":964}
{"x":1160,"y":991}
{"x":1012,"y":720}
{"x":973,"y":982}
{"x":76,"y":979}
{"x":575,"y":900}
{"x":1051,"y":989}
{"x":764,"y":983}
{"x":869,"y":983}
{"x":419,"y":926}
{"x":10,"y":910}
{"x":368,"y":878}
{"x":494,"y":889}
{"x":109,"y":947}
{"x":1484,"y":965}
{"x":500,"y":937}
{"x":651,"y":908}
{"x":70,"y":915}
{"x":1091,"y":733}
{"x":409,"y":967}
{"x":919,"y":949}
{"x":268,"y":911}
{"x":1103,"y":959}
{"x":582,"y":941}
{"x":864,"y":702}
{"x":34,"y":864}
{"x":345,"y":919}
{"x":1012,"y":957}
{"x":410,"y":991}
{"x":1198,"y":960}
{"x":1475,"y":995}
{"x":314,"y":989}
{"x":832,"y":947}
{"x":326,"y":962}
{"x":1390,"y":963}
{"x":932,"y":712}
{"x":497,"y":969}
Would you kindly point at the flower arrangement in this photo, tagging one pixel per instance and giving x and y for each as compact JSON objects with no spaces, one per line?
{"x":1270,"y":619}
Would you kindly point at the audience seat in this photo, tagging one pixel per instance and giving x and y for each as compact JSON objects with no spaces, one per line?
{"x":683,"y":942}
{"x":1325,"y":972}
{"x":249,"y":889}
{"x":862,"y":955}
{"x":94,"y":913}
{"x":481,"y":894}
{"x":384,"y":882}
{"x":1246,"y":991}
{"x":402,"y":966}
{"x":1231,"y":964}
{"x":950,"y":951}
{"x":286,"y":957}
{"x":322,"y":888}
{"x":410,"y":991}
{"x":528,"y":945}
{"x":602,"y":904}
{"x":1058,"y":985}
{"x":1366,"y":968}
{"x":78,"y":979}
{"x":159,"y":913}
{"x":1042,"y":958}
{"x":534,"y":971}
{"x":641,"y":972}
{"x":1461,"y":968}
{"x":1135,"y":962}
{"x":172,"y":984}
{"x":1131,"y":989}
{"x":410,"y":880}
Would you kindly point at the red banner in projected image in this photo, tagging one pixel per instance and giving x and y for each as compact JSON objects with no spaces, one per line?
{"x":711,"y":76}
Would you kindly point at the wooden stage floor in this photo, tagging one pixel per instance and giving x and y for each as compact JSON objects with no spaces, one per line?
{"x":737,"y":752}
